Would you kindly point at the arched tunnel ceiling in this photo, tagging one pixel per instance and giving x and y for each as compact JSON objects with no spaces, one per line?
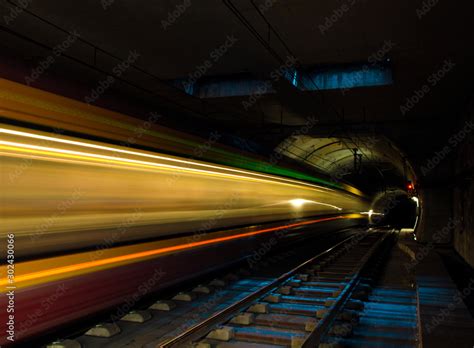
{"x":335,"y":155}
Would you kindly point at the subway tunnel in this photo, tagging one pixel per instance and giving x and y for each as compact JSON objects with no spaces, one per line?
{"x":256,"y":173}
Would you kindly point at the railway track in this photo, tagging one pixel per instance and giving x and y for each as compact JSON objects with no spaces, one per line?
{"x":319,"y":303}
{"x":325,"y":301}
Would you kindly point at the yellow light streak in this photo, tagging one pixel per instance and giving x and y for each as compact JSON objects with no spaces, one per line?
{"x":34,"y":149}
{"x":159,"y":157}
{"x":299,"y":202}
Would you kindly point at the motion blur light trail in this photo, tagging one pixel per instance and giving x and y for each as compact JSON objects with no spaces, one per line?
{"x":298,"y":203}
{"x":34,"y":149}
{"x":169,"y":195}
{"x":30,"y":105}
{"x":46,"y":270}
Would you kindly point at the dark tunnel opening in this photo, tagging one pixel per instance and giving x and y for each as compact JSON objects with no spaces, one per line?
{"x":396,"y":209}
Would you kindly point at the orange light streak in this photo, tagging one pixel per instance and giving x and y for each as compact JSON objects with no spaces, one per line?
{"x":154,"y":252}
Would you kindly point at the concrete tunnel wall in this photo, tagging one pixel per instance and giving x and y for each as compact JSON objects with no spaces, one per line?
{"x":447,"y":191}
{"x":463,"y":193}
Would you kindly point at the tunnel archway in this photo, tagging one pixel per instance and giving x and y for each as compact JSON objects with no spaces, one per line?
{"x":395,"y":208}
{"x":372,"y":163}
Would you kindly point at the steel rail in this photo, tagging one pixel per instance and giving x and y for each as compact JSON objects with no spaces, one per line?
{"x":314,"y":338}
